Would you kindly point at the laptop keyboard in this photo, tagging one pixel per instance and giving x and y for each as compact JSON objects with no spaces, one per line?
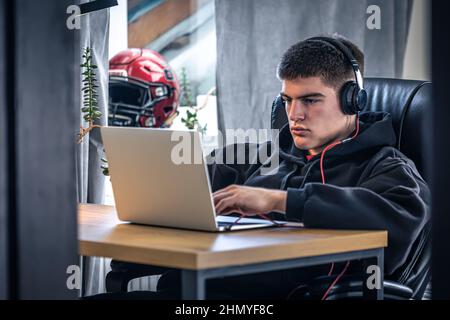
{"x":229,"y":224}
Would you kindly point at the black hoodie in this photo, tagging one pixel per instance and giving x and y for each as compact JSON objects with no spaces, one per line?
{"x":370,"y":185}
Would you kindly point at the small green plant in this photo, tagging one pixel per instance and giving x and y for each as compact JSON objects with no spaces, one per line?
{"x":90,"y":108}
{"x":191,"y":121}
{"x":104,"y":166}
{"x":186,"y":92}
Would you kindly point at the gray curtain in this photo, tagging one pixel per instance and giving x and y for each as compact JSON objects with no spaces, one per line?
{"x":90,"y":180}
{"x":253,"y":34}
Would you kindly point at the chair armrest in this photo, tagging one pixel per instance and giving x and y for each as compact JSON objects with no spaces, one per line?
{"x":123,"y":272}
{"x":350,"y":287}
{"x":395,"y":289}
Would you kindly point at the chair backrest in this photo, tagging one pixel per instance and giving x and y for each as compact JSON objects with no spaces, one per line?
{"x":407,"y":101}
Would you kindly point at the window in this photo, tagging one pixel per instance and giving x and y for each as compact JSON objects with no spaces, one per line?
{"x":183,"y":31}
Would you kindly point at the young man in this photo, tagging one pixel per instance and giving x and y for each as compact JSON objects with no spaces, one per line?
{"x":364,"y":183}
{"x":336,"y":170}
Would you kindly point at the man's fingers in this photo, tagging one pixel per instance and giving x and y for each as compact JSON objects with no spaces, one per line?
{"x":238,"y":210}
{"x":224,"y":203}
{"x":217,"y":196}
{"x":226,"y":189}
{"x":230,"y":187}
{"x":230,"y":210}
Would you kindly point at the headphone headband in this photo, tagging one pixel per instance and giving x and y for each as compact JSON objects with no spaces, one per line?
{"x":347,"y":54}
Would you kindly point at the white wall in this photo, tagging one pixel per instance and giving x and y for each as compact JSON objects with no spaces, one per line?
{"x":118,"y":41}
{"x":417,"y":64}
{"x":118,"y":28}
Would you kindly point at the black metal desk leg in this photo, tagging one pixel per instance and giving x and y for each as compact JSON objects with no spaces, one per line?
{"x":373,"y":271}
{"x":83,"y":266}
{"x":192,"y":285}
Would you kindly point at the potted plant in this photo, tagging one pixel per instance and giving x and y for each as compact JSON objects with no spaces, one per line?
{"x":90,"y":110}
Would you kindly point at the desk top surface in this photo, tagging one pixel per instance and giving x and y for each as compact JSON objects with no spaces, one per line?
{"x":102,"y":234}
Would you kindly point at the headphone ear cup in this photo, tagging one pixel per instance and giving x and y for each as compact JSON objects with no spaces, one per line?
{"x":360,"y":99}
{"x":348,"y":97}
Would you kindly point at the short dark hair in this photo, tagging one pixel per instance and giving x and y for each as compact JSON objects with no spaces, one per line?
{"x":320,"y":59}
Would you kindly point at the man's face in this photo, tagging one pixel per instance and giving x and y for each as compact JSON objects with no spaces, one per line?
{"x":315,"y":117}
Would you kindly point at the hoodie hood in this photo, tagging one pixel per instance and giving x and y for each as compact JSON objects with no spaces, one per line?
{"x":375,"y":131}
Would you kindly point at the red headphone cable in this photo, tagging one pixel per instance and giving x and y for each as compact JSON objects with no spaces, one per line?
{"x":323,"y":182}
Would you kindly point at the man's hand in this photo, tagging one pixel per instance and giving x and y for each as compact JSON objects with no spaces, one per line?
{"x":249,"y":200}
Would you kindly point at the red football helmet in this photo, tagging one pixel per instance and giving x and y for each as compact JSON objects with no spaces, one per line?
{"x":143,"y":90}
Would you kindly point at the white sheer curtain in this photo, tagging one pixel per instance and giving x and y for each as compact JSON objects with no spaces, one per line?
{"x":94,"y":33}
{"x":90,"y":180}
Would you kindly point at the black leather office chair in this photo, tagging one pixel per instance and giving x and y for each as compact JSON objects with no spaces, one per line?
{"x":407,"y":101}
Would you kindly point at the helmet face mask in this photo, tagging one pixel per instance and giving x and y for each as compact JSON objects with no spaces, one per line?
{"x":143,"y":90}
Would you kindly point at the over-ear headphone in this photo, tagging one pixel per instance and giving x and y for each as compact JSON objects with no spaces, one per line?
{"x":353,"y":96}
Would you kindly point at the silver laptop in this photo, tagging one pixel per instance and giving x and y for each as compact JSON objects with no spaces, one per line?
{"x":159,"y":177}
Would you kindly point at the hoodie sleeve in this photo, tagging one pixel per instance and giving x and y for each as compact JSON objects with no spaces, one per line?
{"x":226,"y":167}
{"x":393,"y":198}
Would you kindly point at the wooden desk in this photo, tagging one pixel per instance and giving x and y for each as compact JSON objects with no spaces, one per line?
{"x":205,"y":255}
